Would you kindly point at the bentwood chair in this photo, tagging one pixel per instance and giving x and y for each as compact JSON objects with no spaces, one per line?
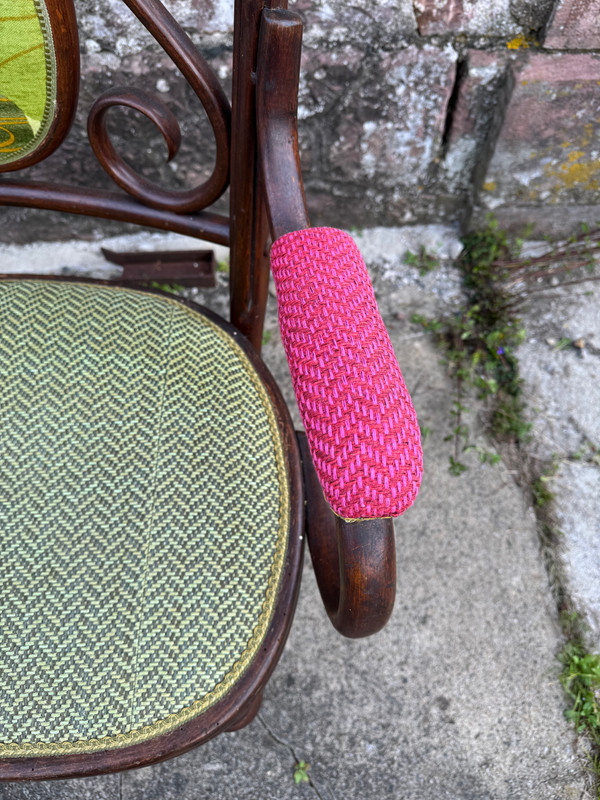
{"x":152,"y":488}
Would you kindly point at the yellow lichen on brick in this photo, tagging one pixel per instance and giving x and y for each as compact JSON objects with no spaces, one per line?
{"x":588,"y":132}
{"x":578,"y":170}
{"x":575,"y":173}
{"x":518,"y":43}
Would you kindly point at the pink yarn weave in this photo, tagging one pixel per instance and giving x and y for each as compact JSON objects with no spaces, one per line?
{"x":360,"y":422}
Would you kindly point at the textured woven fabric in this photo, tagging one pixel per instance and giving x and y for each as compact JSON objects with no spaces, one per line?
{"x":143,"y":515}
{"x":26,"y":76}
{"x":359,"y":419}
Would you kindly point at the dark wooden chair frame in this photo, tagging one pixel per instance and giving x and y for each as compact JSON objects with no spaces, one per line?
{"x":258,"y":158}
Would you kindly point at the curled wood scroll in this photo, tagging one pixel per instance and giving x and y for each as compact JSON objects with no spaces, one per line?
{"x":175,"y":42}
{"x":178,"y":45}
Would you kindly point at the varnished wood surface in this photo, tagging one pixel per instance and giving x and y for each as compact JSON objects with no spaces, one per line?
{"x":112,"y":205}
{"x":200,"y":76}
{"x":247,"y":713}
{"x":249,"y":241}
{"x":354,"y":562}
{"x":277,"y":78}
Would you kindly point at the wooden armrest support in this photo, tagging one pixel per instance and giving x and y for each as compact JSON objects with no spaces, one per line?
{"x":277,"y":78}
{"x":354,"y":562}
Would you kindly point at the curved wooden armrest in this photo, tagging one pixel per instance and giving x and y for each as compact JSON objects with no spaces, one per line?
{"x":354,"y":562}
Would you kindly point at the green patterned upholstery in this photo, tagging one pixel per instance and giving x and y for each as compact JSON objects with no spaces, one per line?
{"x":143,"y":513}
{"x":27,"y":77}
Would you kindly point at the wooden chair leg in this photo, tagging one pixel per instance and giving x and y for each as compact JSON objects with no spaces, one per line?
{"x":248,"y":712}
{"x":354,"y":562}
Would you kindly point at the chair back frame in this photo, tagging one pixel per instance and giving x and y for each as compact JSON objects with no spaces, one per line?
{"x":234,"y":125}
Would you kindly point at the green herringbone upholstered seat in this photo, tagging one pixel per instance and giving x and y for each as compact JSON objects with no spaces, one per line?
{"x":143,"y":513}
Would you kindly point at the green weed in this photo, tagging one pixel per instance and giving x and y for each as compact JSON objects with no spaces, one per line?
{"x":301,"y":769}
{"x":479,"y":343}
{"x":422,"y":260}
{"x":580,"y":679}
{"x":170,"y":288}
{"x":540,"y":491}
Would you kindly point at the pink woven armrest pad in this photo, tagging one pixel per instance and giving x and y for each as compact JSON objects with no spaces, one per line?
{"x":360,"y":422}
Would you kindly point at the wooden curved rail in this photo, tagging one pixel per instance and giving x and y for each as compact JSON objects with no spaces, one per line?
{"x":113,"y":205}
{"x":354,"y":562}
{"x":277,"y":78}
{"x":195,"y":69}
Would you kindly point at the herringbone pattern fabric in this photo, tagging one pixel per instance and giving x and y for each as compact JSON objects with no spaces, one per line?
{"x":360,"y":422}
{"x":143,"y":513}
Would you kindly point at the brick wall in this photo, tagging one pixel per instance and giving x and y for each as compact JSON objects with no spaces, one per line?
{"x":437,"y":110}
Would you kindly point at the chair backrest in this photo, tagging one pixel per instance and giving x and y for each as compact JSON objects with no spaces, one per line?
{"x":39,"y":78}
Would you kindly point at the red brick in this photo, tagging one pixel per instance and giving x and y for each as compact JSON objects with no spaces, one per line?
{"x":547,"y":152}
{"x":488,"y":17}
{"x":576,"y":23}
{"x":438,"y":16}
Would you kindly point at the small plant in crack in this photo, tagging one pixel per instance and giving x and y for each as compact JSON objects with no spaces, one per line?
{"x":301,"y":772}
{"x":481,"y":338}
{"x":479,"y":343}
{"x":580,"y":679}
{"x":422,"y":260}
{"x":301,"y":767}
{"x":540,"y":490}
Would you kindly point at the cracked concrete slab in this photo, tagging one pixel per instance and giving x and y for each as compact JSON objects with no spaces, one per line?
{"x":562,"y":388}
{"x":562,"y":380}
{"x":577,"y":487}
{"x":458,"y":697}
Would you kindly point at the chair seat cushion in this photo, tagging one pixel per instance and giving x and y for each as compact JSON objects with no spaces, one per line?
{"x":143,"y":513}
